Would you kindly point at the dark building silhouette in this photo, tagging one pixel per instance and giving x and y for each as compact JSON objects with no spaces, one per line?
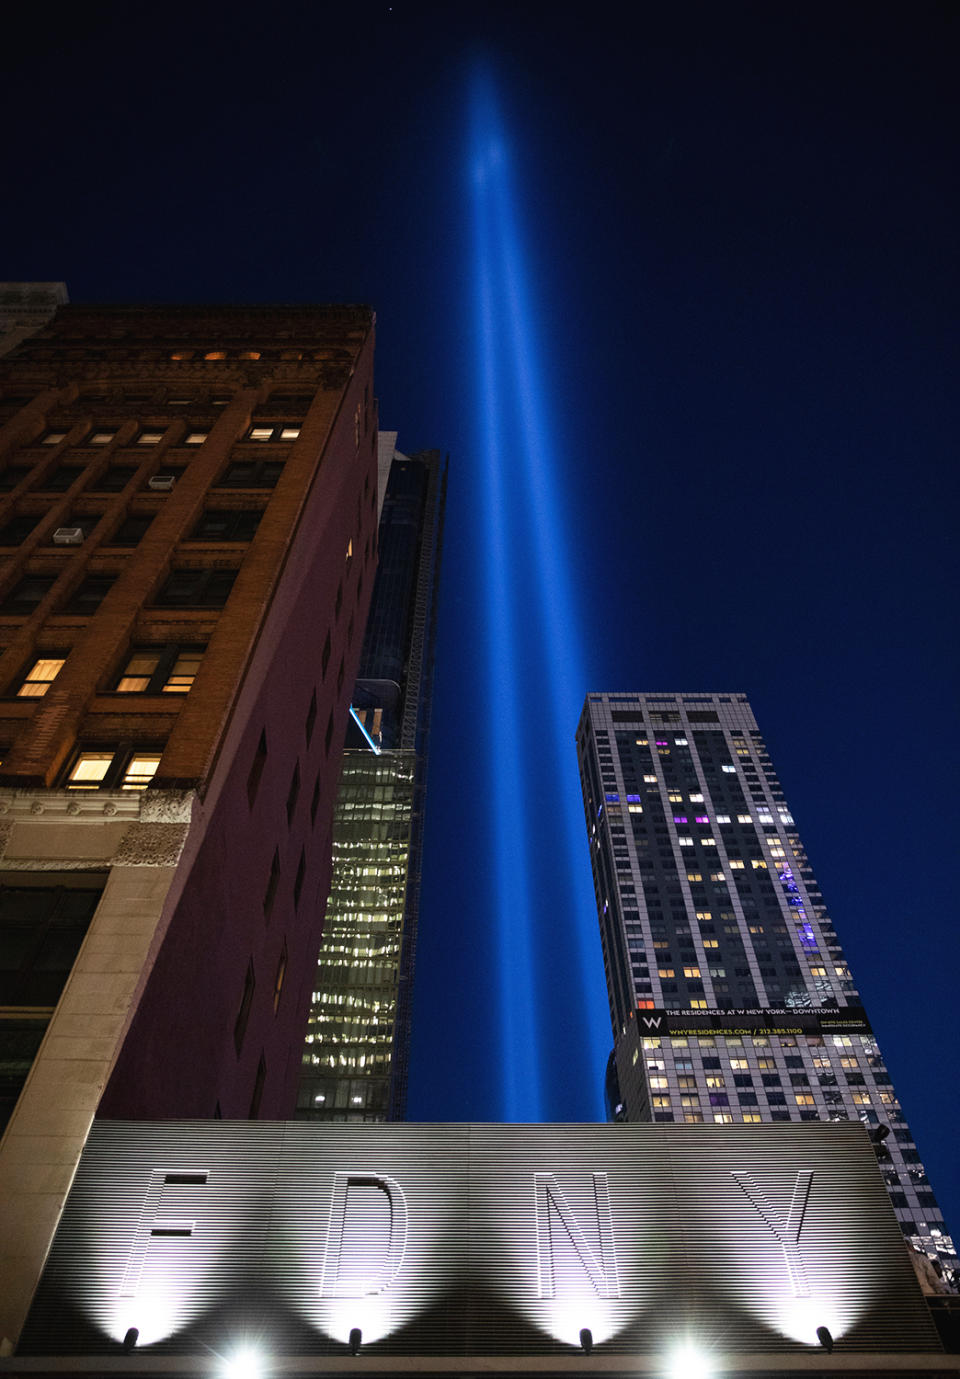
{"x":188,"y":531}
{"x":356,"y":1054}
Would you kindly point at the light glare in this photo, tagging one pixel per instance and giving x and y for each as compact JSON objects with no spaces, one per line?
{"x":246,"y":1363}
{"x":688,"y":1362}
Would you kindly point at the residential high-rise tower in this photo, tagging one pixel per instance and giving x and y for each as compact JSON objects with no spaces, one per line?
{"x":356,"y":1054}
{"x":730,"y":996}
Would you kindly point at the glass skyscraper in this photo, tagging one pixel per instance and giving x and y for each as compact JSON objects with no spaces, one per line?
{"x":357,"y":1045}
{"x":730,"y":996}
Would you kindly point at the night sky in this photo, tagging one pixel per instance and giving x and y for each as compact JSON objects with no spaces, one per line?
{"x":738,"y":227}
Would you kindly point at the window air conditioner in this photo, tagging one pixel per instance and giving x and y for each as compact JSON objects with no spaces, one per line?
{"x":161,"y":483}
{"x":68,"y":536}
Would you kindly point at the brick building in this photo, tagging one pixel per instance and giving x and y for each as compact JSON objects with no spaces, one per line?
{"x":188,"y":527}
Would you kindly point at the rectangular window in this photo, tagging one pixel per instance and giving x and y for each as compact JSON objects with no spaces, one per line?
{"x":16,"y":531}
{"x":196,"y":589}
{"x":160,"y":670}
{"x":40,"y":677}
{"x":27,"y":594}
{"x":112,"y":769}
{"x":130,"y":530}
{"x":149,"y":437}
{"x":89,"y":594}
{"x":41,"y":930}
{"x":62,"y":478}
{"x":251,"y":474}
{"x":114,"y":478}
{"x":227,"y":525}
{"x":195,"y":437}
{"x":89,"y":770}
{"x":100,"y":437}
{"x":140,"y":770}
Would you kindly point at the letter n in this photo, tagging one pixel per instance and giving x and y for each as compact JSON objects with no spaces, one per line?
{"x":603,"y":1273}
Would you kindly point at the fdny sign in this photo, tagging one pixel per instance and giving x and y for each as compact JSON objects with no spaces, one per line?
{"x":476,"y":1239}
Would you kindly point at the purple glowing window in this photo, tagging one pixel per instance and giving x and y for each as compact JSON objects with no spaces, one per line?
{"x":633,"y":799}
{"x":703,"y":818}
{"x":661,"y":742}
{"x":679,"y":818}
{"x":612,"y":799}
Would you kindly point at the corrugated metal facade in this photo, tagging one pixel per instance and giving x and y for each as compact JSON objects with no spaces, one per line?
{"x":477,"y":1240}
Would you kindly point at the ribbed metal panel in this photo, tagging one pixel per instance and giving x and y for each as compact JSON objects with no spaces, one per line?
{"x":478,"y":1240}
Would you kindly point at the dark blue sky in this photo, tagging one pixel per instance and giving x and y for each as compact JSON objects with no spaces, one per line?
{"x":739,"y":223}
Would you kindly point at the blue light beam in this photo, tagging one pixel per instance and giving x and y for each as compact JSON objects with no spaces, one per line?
{"x":528,"y":577}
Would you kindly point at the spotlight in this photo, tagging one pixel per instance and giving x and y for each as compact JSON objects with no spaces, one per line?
{"x":130,"y":1339}
{"x":825,"y":1339}
{"x":586,"y":1340}
{"x":244,"y":1364}
{"x":689,"y":1363}
{"x":356,"y":1339}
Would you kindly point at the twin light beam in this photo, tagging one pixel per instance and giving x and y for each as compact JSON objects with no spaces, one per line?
{"x":534,"y":661}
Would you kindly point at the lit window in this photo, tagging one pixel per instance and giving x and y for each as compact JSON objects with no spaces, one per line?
{"x":215,"y":354}
{"x":643,"y":742}
{"x":665,"y":972}
{"x":195,"y":437}
{"x":730,"y":770}
{"x":695,"y":876}
{"x":140,"y":771}
{"x":680,"y":742}
{"x":54,"y":438}
{"x":89,"y":770}
{"x":674,"y":797}
{"x":260,"y":433}
{"x":249,"y":354}
{"x":100,"y":437}
{"x":723,"y":818}
{"x":661,"y":1103}
{"x":691,"y":972}
{"x":698,"y":1005}
{"x":659,"y":1083}
{"x":723,"y":1117}
{"x":150,"y":438}
{"x":861,"y":1098}
{"x":717,"y":876}
{"x":685,"y":842}
{"x":744,"y":818}
{"x":696,"y":799}
{"x":739,"y":1065}
{"x":160,"y":670}
{"x":708,"y":842}
{"x":650,"y":780}
{"x":40,"y":677}
{"x":759,"y":864}
{"x":736,"y":864}
{"x":752,"y":1117}
{"x":710,"y":943}
{"x":289,"y":433}
{"x":804,"y":1099}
